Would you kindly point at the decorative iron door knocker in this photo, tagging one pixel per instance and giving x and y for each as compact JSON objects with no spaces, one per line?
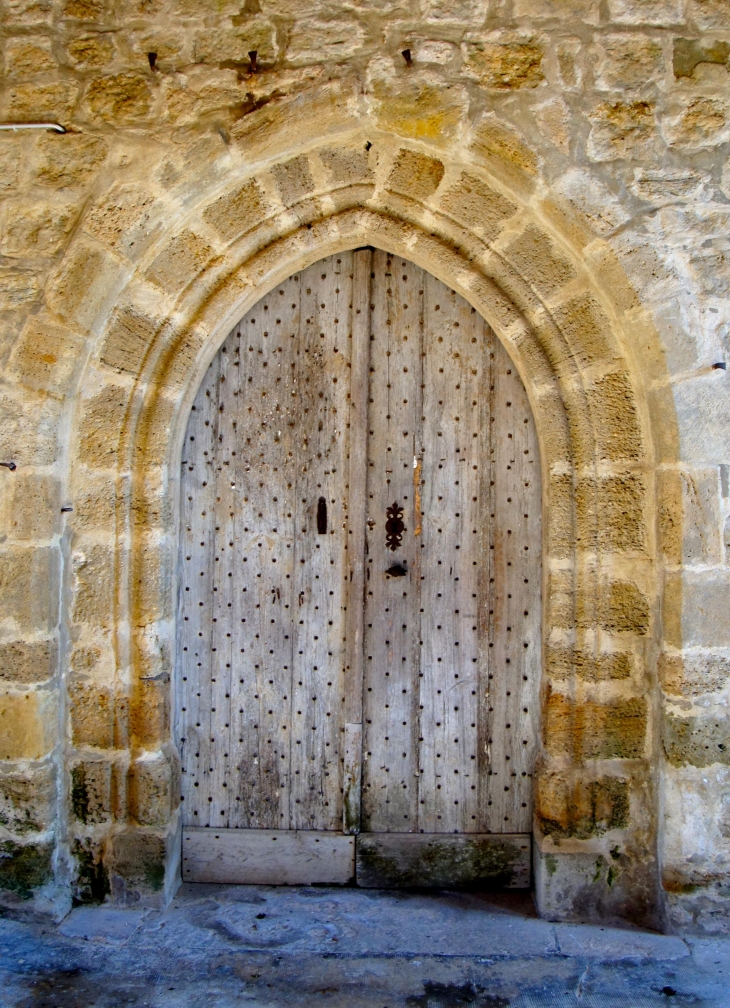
{"x":394,"y":526}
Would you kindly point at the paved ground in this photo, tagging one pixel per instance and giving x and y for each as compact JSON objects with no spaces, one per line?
{"x":265,"y":947}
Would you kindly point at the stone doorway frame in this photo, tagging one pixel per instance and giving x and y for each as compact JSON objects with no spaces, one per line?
{"x":560,"y":303}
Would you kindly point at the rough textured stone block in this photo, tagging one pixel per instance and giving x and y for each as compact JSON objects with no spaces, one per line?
{"x":179,"y":264}
{"x":539,"y":261}
{"x":47,"y":100}
{"x":218,"y":45}
{"x":90,"y":51}
{"x":622,"y":608}
{"x":120,"y":98}
{"x":24,"y":867}
{"x":101,"y":426}
{"x":347,"y":164}
{"x":415,"y":175}
{"x":501,"y":146}
{"x":68,"y":160}
{"x":628,"y":61}
{"x":693,"y":675}
{"x":93,"y":592}
{"x":85,"y":281}
{"x":418,"y":108}
{"x":29,"y":586}
{"x":581,"y":809}
{"x":236,"y":212}
{"x":91,"y":784}
{"x":28,"y":662}
{"x":560,"y":663}
{"x":121,"y":218}
{"x":46,"y":355}
{"x":26,"y":725}
{"x":91,"y":710}
{"x":586,"y":330}
{"x":321,"y":41}
{"x":615,"y":422}
{"x":294,"y":179}
{"x":610,"y":513}
{"x":595,"y":731}
{"x":621,"y":130}
{"x":139,"y":859}
{"x":472,"y":202}
{"x":698,"y":741}
{"x":27,"y":800}
{"x":129,"y":338}
{"x":703,"y":416}
{"x":27,"y":56}
{"x":696,"y":613}
{"x":150,"y":790}
{"x":505,"y":65}
{"x":649,"y":12}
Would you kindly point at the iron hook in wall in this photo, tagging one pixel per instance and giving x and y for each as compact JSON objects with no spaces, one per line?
{"x":406,"y":54}
{"x":9,"y":465}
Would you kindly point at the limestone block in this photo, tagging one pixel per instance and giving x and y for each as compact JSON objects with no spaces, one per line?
{"x":46,"y":356}
{"x":418,"y":106}
{"x":91,"y":789}
{"x":586,"y":11}
{"x":29,"y":586}
{"x":25,"y":13}
{"x":128,"y":339}
{"x":703,"y":417}
{"x":172,"y":48}
{"x":92,"y":876}
{"x":28,"y":662}
{"x":561,"y":663}
{"x":28,"y":431}
{"x":149,"y":712}
{"x":622,"y":130}
{"x":18,"y":288}
{"x":11,"y":155}
{"x":628,"y":61}
{"x":119,"y":98}
{"x":121,"y":219}
{"x":93,"y":593}
{"x":27,"y":56}
{"x":696,"y":741}
{"x":568,"y":55}
{"x":84,"y":10}
{"x":27,"y":799}
{"x":150,"y":790}
{"x":710,"y":13}
{"x":623,"y":609}
{"x":226,"y":45}
{"x":415,"y":175}
{"x":701,"y":516}
{"x":236,"y":212}
{"x":323,"y":41}
{"x":34,"y":511}
{"x":32,"y":227}
{"x":586,"y":330}
{"x":101,"y":426}
{"x":696,"y":613}
{"x":536,"y":257}
{"x":27,"y":724}
{"x":693,"y":676}
{"x":553,"y":118}
{"x":293,"y":179}
{"x":86,"y":279}
{"x":91,"y":709}
{"x":68,"y":160}
{"x":505,"y":64}
{"x":474,"y":203}
{"x":91,"y":51}
{"x":31,"y":102}
{"x":699,"y":122}
{"x":180,"y":262}
{"x":610,"y":513}
{"x":139,"y":860}
{"x":559,"y":516}
{"x":347,"y":165}
{"x":615,"y":422}
{"x":25,"y":867}
{"x":503,"y":149}
{"x":691,"y":53}
{"x":463,"y":12}
{"x":580,"y":808}
{"x":597,"y":206}
{"x":663,"y":13}
{"x":595,"y":731}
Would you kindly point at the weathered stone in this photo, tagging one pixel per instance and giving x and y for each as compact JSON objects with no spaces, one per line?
{"x":236,"y":212}
{"x":539,"y":261}
{"x":697,"y":741}
{"x":83,"y":284}
{"x":710,"y":13}
{"x":92,"y":878}
{"x":585,"y":327}
{"x":92,"y":714}
{"x":68,"y":160}
{"x":695,"y":610}
{"x":323,"y":41}
{"x":29,"y":586}
{"x":24,"y":867}
{"x":226,"y":46}
{"x":128,"y":340}
{"x":648,"y":12}
{"x":28,"y":432}
{"x":27,"y":800}
{"x":182,"y":260}
{"x":347,"y":164}
{"x":150,"y":790}
{"x":101,"y":426}
{"x":293,"y":179}
{"x":473,"y":203}
{"x":30,"y":102}
{"x":623,"y":609}
{"x":570,"y":71}
{"x":463,"y":12}
{"x":91,"y":51}
{"x":615,"y":422}
{"x":121,"y":219}
{"x":46,"y":356}
{"x":27,"y":56}
{"x":83,"y":10}
{"x":94,"y":585}
{"x":505,"y":65}
{"x":32,"y":227}
{"x":91,"y":784}
{"x":693,"y":676}
{"x":26,"y":725}
{"x":418,"y":108}
{"x":28,"y":662}
{"x":553,"y":118}
{"x":564,"y":662}
{"x":139,"y":859}
{"x":621,"y":130}
{"x":18,"y":288}
{"x":581,"y":809}
{"x":610,"y":513}
{"x":35,"y":509}
{"x":11,"y":151}
{"x":595,"y":731}
{"x":121,"y":98}
{"x":415,"y":175}
{"x":690,"y":53}
{"x":24,"y":13}
{"x":502,"y":147}
{"x":703,"y":417}
{"x":628,"y":61}
{"x":701,"y":122}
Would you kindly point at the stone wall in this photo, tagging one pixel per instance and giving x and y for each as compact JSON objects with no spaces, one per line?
{"x":561,"y":163}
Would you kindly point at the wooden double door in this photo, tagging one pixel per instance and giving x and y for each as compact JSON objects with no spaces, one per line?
{"x":358,"y":646}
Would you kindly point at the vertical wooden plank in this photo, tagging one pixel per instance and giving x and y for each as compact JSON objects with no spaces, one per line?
{"x":390,"y":731}
{"x":356,"y":495}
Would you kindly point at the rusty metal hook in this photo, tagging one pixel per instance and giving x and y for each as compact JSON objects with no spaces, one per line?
{"x":9,"y":465}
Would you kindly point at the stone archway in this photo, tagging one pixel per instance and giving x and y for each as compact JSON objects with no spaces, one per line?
{"x":533,"y":276}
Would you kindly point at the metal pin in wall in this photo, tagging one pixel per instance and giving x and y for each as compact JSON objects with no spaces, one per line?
{"x":406,"y":54}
